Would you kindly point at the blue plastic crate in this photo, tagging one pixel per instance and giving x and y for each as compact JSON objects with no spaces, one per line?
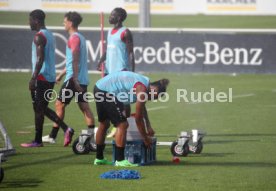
{"x":136,"y":152}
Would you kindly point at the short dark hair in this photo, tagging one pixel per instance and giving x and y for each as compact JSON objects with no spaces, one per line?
{"x":122,"y":12}
{"x":74,"y":17}
{"x":38,"y":14}
{"x":161,"y":85}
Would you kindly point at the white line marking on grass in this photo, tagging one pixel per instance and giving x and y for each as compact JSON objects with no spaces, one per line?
{"x":274,"y":90}
{"x":165,"y":135}
{"x":195,"y":102}
{"x":157,"y":108}
{"x":23,"y":132}
{"x":243,"y":95}
{"x":32,"y":126}
{"x":14,"y":70}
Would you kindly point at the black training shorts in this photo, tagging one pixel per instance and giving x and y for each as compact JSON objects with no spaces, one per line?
{"x":68,"y":92}
{"x":42,"y":93}
{"x":108,"y":107}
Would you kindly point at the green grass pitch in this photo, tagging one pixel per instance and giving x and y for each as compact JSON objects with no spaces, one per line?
{"x":238,"y":154}
{"x":239,"y":148}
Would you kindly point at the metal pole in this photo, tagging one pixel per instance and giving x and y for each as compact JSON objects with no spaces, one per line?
{"x":144,"y":13}
{"x":102,"y":41}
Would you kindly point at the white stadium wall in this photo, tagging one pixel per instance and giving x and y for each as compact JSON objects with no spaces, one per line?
{"x":208,"y":7}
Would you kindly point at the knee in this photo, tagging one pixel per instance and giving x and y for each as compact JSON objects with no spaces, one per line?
{"x":123,"y":126}
{"x":84,"y":107}
{"x":39,"y":106}
{"x":39,"y":110}
{"x":59,"y":105}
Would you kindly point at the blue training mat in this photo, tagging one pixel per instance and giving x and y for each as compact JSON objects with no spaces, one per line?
{"x":121,"y":174}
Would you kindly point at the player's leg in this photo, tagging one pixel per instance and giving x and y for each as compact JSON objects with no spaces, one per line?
{"x":39,"y":121}
{"x":85,"y":109}
{"x":103,"y":126}
{"x":127,"y":110}
{"x":88,"y":115}
{"x":116,"y":114}
{"x":40,"y":103}
{"x":100,"y":141}
{"x":120,"y":139}
{"x":54,"y":117}
{"x":60,"y":111}
{"x":114,"y":130}
{"x":64,"y":98}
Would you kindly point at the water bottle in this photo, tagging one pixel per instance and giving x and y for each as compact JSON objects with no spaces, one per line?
{"x":131,"y":154}
{"x":137,"y":153}
{"x":126,"y":152}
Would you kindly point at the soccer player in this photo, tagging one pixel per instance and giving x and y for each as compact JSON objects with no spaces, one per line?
{"x":119,"y":55}
{"x":43,"y":77}
{"x":76,"y":76}
{"x":111,"y":93}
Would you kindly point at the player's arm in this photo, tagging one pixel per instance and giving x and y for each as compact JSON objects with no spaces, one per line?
{"x":148,"y":125}
{"x":60,"y":75}
{"x":40,"y":43}
{"x":129,"y":45}
{"x":139,"y":114}
{"x":75,"y":48}
{"x":101,"y":62}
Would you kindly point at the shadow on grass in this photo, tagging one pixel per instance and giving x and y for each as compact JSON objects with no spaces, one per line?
{"x":31,"y":163}
{"x":210,"y":155}
{"x":169,"y":163}
{"x":217,"y":164}
{"x":21,"y":183}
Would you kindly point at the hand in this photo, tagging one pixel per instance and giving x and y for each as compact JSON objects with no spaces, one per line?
{"x":150,"y":131}
{"x":99,"y":67}
{"x":147,"y":141}
{"x":58,"y":79}
{"x":32,"y":84}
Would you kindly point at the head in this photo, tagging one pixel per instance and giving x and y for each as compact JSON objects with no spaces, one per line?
{"x":37,"y":19}
{"x":118,"y":15}
{"x":72,"y":20}
{"x":158,"y":87}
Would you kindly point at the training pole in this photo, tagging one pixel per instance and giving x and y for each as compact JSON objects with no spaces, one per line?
{"x":102,"y":41}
